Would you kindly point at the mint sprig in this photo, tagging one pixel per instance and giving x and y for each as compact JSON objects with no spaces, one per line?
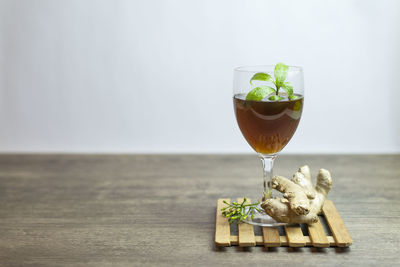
{"x":260,"y":92}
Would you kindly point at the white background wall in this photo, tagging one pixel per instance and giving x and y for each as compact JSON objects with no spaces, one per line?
{"x":156,"y":76}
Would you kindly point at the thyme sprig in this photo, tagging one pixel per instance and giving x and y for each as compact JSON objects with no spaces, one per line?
{"x":238,"y":212}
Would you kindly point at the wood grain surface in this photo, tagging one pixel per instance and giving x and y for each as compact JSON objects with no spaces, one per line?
{"x":159,"y":210}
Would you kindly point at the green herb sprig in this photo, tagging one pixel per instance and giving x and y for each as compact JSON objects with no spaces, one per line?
{"x":260,"y":92}
{"x":238,"y":212}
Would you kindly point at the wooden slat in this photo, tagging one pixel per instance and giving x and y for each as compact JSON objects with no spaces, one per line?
{"x":222,"y":226}
{"x":331,"y":240}
{"x":271,"y":237}
{"x":317,"y":235}
{"x":259,"y":240}
{"x":246,"y":232}
{"x":338,"y":229}
{"x":284,"y":242}
{"x":295,"y":236}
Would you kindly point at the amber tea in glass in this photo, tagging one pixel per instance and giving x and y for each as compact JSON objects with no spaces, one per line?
{"x":270,"y":121}
{"x":267,"y":125}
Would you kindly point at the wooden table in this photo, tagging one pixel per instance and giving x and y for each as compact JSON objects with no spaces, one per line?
{"x":133,"y":210}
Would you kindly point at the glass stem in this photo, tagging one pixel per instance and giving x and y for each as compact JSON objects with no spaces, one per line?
{"x":268,"y":165}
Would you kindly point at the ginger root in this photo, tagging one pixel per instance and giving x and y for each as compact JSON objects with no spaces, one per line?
{"x":301,"y":202}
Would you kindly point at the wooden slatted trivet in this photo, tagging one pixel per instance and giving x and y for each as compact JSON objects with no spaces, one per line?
{"x":294,"y":235}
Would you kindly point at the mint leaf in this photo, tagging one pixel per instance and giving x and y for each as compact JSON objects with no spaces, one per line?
{"x":260,"y":92}
{"x":275,"y":98}
{"x":261,"y":76}
{"x":280,"y":73}
{"x":288,"y":88}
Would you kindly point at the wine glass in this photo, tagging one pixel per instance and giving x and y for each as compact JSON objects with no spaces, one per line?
{"x":268,"y":123}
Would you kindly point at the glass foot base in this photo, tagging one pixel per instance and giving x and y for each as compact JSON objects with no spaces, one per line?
{"x":263,"y":219}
